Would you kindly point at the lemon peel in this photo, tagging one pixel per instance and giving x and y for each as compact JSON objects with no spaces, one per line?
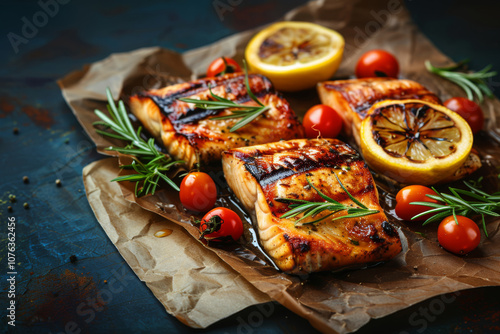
{"x":414,"y":142}
{"x":295,"y":55}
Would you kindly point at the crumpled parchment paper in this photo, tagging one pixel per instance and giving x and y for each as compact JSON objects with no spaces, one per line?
{"x":190,"y":281}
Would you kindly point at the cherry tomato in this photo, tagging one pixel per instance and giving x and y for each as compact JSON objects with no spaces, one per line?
{"x":221,"y":224}
{"x":221,"y":66}
{"x":322,"y":120}
{"x":469,"y":110}
{"x":461,"y":238}
{"x":198,"y":192}
{"x":377,"y":63}
{"x":410,"y":194}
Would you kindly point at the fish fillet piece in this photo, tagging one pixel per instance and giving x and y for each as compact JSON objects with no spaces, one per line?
{"x":262,"y":176}
{"x":353,"y":98}
{"x":189,"y":133}
{"x":471,"y":164}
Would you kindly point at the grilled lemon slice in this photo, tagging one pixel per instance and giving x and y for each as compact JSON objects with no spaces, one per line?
{"x":295,"y":55}
{"x":414,"y":142}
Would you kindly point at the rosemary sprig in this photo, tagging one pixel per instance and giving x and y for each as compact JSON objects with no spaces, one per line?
{"x":246,"y":112}
{"x":478,"y":203}
{"x":150,"y":164}
{"x":471,"y":82}
{"x":311,"y":209}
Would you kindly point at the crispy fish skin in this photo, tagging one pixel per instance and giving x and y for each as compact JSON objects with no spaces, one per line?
{"x":191,"y":135}
{"x":261,"y":176}
{"x":353,"y":98}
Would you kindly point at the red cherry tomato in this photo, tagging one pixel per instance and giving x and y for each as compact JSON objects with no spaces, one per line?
{"x":459,"y":239}
{"x":198,"y":192}
{"x":410,"y":194}
{"x":221,"y":66}
{"x":377,"y":63}
{"x":322,"y":120}
{"x":221,"y":224}
{"x":469,"y":110}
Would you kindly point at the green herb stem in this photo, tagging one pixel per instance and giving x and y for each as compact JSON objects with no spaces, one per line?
{"x":247,"y":113}
{"x":149,"y":164}
{"x":477,"y":203}
{"x":471,"y":82}
{"x":312,"y":209}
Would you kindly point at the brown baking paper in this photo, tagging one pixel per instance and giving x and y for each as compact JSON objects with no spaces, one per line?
{"x":332,"y":302}
{"x":191,"y":282}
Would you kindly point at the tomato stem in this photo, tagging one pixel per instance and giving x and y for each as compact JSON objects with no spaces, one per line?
{"x":212,"y":225}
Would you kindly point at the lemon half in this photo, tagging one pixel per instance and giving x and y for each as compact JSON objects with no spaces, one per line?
{"x":295,"y":55}
{"x":415,"y":142}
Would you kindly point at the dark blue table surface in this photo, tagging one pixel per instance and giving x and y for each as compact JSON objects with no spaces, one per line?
{"x":51,"y":284}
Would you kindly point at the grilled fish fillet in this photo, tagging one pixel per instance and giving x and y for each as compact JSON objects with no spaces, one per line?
{"x":354,"y":98}
{"x":262,"y":176}
{"x":189,"y":133}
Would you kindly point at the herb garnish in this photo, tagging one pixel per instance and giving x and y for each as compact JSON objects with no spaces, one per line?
{"x":471,"y":82}
{"x":480,"y":203}
{"x":311,"y":209}
{"x":246,"y":112}
{"x":149,"y":163}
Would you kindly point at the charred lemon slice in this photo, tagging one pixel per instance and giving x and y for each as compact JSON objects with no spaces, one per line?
{"x":414,"y":142}
{"x":295,"y":55}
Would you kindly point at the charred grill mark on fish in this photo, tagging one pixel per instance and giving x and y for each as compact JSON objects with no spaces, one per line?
{"x":190,"y":133}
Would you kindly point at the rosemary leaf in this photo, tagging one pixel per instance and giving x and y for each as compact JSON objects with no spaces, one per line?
{"x":480,"y":203}
{"x":312,"y":209}
{"x":248,"y":118}
{"x":471,"y":82}
{"x":248,"y":113}
{"x":133,"y":177}
{"x":110,"y":134}
{"x":149,"y":164}
{"x":312,"y":222}
{"x":359,"y":214}
{"x":323,"y":196}
{"x":348,"y":194}
{"x":299,"y":209}
{"x":130,"y":151}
